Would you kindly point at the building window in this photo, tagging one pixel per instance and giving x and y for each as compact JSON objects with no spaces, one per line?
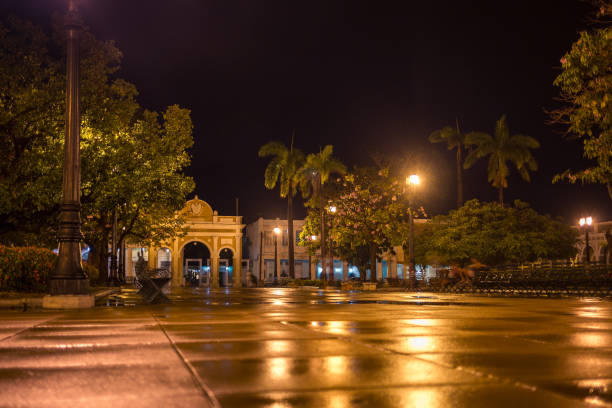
{"x":285,"y":238}
{"x":164,"y":259}
{"x":268,"y":238}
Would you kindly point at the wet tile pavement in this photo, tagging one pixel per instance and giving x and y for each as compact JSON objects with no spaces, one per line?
{"x":310,"y":348}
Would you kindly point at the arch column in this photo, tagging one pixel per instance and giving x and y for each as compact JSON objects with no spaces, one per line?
{"x":214,"y":271}
{"x":177,"y":268}
{"x":344,"y":271}
{"x":237,"y":272}
{"x":392,"y":267}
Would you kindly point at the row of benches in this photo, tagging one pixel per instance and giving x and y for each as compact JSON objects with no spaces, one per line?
{"x":581,"y":280}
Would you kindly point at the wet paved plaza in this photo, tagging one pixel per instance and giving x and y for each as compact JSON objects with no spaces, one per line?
{"x":311,"y":348}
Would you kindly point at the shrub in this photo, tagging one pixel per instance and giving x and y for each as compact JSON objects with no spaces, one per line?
{"x":91,"y":271}
{"x":25,"y":269}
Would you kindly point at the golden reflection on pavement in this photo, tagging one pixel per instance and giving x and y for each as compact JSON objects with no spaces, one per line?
{"x":335,"y":365}
{"x":276,"y":346}
{"x":339,"y":401}
{"x":417,"y":344}
{"x":421,"y":398}
{"x":590,"y":339}
{"x":419,"y":322}
{"x":278,"y":367}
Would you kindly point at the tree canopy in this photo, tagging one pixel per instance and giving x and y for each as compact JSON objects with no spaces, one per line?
{"x":371,"y":213}
{"x":585,"y":85}
{"x":502,"y":148}
{"x":494,"y":235}
{"x":132,"y":159}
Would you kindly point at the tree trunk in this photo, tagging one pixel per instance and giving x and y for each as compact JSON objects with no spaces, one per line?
{"x":501,"y":194}
{"x":290,"y":236}
{"x":323,"y":246}
{"x":459,"y":178}
{"x":373,"y":263}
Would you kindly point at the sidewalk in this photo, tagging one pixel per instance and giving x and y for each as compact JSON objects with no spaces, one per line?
{"x":32,"y":301}
{"x":92,"y":358}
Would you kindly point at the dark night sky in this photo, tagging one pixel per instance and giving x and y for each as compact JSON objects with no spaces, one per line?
{"x":364,"y":76}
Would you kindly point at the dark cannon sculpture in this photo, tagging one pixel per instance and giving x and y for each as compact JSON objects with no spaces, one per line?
{"x":151,"y":282}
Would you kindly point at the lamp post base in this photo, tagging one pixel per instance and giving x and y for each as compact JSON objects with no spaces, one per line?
{"x":69,"y":286}
{"x":68,"y":301}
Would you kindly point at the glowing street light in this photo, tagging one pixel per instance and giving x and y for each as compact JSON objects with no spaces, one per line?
{"x":413,"y":179}
{"x":332,"y":209}
{"x":585,"y":223}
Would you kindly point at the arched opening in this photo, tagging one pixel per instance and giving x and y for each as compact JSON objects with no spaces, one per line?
{"x":226,"y":267}
{"x":590,"y":254}
{"x":196,"y":264}
{"x":164,"y":259}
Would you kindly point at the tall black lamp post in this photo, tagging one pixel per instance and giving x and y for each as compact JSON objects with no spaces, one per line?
{"x":412,"y":181}
{"x":586,"y":224}
{"x":276,"y":233}
{"x":332,"y":210}
{"x":69,"y":278}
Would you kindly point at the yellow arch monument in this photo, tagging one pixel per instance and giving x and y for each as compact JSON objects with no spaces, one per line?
{"x":203,"y":226}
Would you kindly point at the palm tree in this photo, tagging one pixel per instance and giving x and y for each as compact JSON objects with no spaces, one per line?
{"x":314,"y":174}
{"x":285,"y":167}
{"x":501,"y":149}
{"x":454,"y":139}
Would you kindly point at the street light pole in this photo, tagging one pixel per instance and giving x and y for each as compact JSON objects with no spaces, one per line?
{"x":586,"y":224}
{"x":332,"y":211}
{"x":411,"y":181}
{"x":69,"y":278}
{"x":276,"y":232}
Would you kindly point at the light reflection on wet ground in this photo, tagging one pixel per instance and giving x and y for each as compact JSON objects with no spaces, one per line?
{"x":312,"y":348}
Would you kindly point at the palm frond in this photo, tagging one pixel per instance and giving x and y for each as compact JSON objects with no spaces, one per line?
{"x":273,"y":149}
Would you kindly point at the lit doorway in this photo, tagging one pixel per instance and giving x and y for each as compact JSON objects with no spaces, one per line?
{"x":226,"y":267}
{"x":196,"y":264}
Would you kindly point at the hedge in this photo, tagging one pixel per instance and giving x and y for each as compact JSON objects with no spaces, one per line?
{"x":26,"y":269}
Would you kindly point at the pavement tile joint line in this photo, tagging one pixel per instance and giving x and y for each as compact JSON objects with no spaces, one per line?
{"x":199,"y":382}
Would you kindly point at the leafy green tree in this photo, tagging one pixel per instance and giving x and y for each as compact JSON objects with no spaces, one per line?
{"x":454,"y":139}
{"x":138,"y":174}
{"x":494,"y":235}
{"x":370,"y":208}
{"x":132,"y":160}
{"x":313,"y":176}
{"x":284,"y":167}
{"x":501,"y":149}
{"x":585,"y":85}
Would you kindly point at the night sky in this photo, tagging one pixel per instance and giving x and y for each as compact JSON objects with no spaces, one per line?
{"x":367,"y":77}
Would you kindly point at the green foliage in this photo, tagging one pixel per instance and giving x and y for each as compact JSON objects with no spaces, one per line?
{"x":305,"y":282}
{"x":316,"y":172}
{"x":25,"y":269}
{"x":91,"y":271}
{"x":284,"y":166}
{"x":585,"y":85}
{"x":132,"y":159}
{"x":454,"y":139}
{"x":494,"y":235}
{"x":371,"y":216}
{"x":501,"y":149}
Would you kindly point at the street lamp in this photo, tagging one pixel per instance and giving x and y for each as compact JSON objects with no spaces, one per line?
{"x":412,"y":181}
{"x":68,"y":278}
{"x":332,"y":210}
{"x":276,"y":234}
{"x":585,"y":223}
{"x":312,"y":238}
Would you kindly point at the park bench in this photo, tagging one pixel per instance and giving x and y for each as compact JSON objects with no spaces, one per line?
{"x":151,"y":283}
{"x":368,"y":285}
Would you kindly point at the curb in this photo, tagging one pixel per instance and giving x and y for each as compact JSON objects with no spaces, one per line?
{"x":25,"y":303}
